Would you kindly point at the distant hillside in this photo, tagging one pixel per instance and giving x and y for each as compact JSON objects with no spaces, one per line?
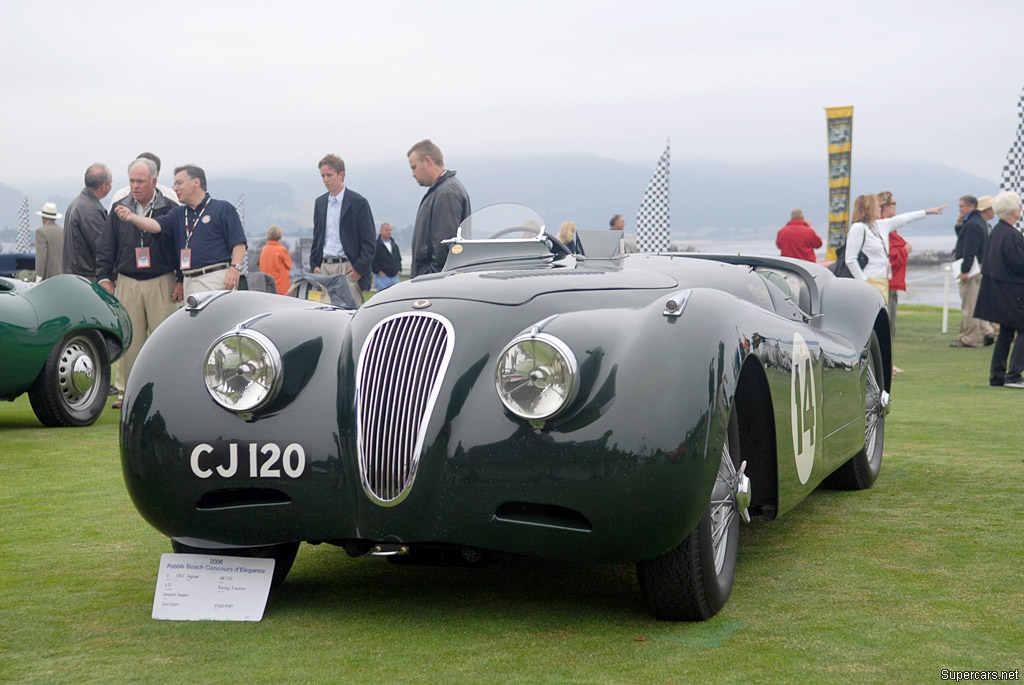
{"x":709,"y":199}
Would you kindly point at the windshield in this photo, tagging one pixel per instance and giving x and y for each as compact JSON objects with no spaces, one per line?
{"x":505,"y":221}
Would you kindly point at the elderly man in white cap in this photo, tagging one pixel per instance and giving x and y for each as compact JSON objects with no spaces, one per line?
{"x":49,"y":243}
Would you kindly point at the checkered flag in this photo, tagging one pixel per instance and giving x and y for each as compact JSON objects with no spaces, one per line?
{"x":240,"y":208}
{"x":1013,"y":172}
{"x":652,"y":219}
{"x":25,"y":242}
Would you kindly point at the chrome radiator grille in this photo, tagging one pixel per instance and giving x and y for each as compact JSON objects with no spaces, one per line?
{"x":401,"y":367}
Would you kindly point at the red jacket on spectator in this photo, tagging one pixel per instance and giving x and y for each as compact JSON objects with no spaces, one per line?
{"x":797,"y":239}
{"x":898,"y":261}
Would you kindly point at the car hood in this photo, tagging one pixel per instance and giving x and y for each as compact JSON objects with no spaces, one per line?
{"x":516,"y":286}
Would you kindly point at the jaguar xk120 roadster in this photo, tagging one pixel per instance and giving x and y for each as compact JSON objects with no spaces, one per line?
{"x":598,"y":407}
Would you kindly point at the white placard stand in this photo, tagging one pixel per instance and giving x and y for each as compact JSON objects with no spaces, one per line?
{"x":200,"y":587}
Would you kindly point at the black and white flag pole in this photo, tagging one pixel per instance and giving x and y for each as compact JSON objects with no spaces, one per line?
{"x":1013,"y":171}
{"x":653,"y":223}
{"x":25,"y":242}
{"x":240,"y":208}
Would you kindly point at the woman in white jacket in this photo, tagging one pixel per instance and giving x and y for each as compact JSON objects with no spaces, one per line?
{"x":870,"y":234}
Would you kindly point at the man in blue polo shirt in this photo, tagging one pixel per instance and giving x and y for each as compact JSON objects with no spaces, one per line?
{"x":208,"y":235}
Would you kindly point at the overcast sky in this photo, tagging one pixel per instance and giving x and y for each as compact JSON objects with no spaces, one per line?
{"x":257,"y":85}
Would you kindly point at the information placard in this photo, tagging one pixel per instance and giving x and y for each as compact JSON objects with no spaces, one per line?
{"x":200,"y":587}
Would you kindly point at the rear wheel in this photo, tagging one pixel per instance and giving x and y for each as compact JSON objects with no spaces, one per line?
{"x":71,"y":389}
{"x":861,"y":471}
{"x":692,"y":582}
{"x":283,"y":555}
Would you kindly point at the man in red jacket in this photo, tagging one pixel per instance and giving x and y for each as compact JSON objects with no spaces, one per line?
{"x":797,"y":238}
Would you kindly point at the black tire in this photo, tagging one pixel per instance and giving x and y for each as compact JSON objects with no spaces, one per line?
{"x":283,"y":556}
{"x":71,"y":388}
{"x":861,"y":471}
{"x":693,"y":581}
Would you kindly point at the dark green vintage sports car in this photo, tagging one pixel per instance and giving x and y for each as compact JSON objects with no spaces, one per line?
{"x":524,"y":401}
{"x":57,"y":340}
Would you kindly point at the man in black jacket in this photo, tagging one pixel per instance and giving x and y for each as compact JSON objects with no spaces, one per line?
{"x":343,"y":240}
{"x":138,"y":267}
{"x":442,"y":209}
{"x":971,"y":233}
{"x":388,"y":261}
{"x":84,"y":221}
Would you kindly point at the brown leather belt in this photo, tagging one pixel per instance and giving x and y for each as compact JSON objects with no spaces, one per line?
{"x":206,"y":269}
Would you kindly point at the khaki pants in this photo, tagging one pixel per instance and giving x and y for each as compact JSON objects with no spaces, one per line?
{"x":147,"y":304}
{"x":344,"y":268}
{"x":882,"y":286}
{"x":212,"y":280}
{"x":972,"y":329}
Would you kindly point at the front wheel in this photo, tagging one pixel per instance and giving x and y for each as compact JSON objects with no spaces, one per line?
{"x":692,"y":582}
{"x":861,"y":471}
{"x":71,"y":389}
{"x":283,"y":556}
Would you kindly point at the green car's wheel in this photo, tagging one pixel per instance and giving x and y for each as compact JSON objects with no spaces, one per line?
{"x":71,"y":389}
{"x":283,"y":556}
{"x":860,"y":472}
{"x":693,"y":581}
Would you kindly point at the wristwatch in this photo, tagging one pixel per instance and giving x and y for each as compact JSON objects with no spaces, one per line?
{"x":238,"y":266}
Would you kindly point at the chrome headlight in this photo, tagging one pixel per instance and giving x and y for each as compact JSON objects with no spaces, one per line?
{"x":536,"y":376}
{"x":243,"y":370}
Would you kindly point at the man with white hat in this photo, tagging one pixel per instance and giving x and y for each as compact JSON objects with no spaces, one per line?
{"x":49,"y":243}
{"x":971,"y":234}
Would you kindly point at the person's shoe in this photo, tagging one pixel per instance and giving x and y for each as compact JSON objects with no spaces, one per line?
{"x":1018,"y":384}
{"x":116,"y":405}
{"x":957,"y":343}
{"x":111,"y":390}
{"x":989,"y":340}
{"x":896,"y":370}
{"x":995,"y":385}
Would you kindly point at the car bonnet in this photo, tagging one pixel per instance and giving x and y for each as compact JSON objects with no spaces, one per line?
{"x":516,"y":286}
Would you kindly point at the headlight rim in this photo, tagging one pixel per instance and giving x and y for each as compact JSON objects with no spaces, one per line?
{"x":563,"y":350}
{"x":276,"y":364}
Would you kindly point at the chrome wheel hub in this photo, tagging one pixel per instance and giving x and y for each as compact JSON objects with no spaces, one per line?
{"x":876,"y":407}
{"x":729,"y":498}
{"x":76,"y":373}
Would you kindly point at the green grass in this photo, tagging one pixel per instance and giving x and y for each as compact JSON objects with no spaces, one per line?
{"x":920,"y":573}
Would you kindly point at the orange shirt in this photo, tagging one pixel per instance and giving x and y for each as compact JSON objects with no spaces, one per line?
{"x":275,"y":260}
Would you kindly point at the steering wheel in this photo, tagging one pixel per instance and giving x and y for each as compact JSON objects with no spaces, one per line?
{"x":556,"y":245}
{"x":512,"y":229}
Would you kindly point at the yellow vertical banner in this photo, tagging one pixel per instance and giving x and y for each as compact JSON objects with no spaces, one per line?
{"x":839,"y":121}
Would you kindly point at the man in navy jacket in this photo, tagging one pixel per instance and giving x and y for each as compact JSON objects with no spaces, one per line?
{"x":344,"y":240}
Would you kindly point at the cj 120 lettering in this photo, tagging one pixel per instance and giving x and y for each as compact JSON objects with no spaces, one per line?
{"x":230,"y":460}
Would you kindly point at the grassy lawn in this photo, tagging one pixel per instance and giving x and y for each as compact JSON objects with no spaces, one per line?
{"x":922,"y":572}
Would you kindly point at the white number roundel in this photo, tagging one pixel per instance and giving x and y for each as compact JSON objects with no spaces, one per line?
{"x":803,"y":408}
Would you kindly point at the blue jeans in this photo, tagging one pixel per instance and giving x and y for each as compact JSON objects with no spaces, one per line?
{"x":382,"y":282}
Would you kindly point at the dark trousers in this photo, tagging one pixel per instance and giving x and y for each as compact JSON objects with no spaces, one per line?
{"x":998,"y":373}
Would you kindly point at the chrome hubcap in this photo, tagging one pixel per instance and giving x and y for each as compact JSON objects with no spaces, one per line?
{"x":876,"y":406}
{"x":76,"y":372}
{"x":729,"y":498}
